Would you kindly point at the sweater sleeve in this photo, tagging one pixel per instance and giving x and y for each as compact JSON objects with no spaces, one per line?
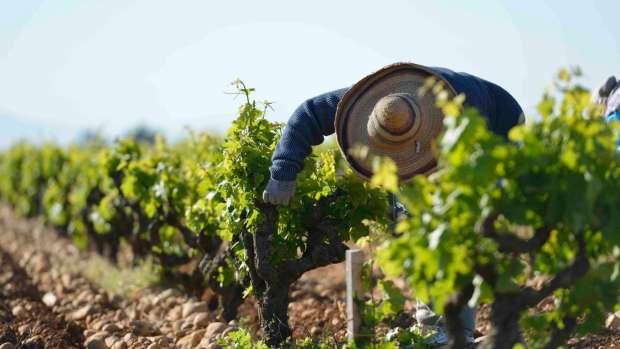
{"x":310,"y":123}
{"x":505,"y":111}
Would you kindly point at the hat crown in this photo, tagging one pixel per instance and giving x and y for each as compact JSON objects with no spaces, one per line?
{"x":393,"y":118}
{"x":394,"y":114}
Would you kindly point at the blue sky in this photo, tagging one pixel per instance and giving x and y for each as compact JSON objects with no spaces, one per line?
{"x":110,"y":65}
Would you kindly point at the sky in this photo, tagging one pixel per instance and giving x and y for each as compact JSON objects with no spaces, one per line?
{"x":70,"y":65}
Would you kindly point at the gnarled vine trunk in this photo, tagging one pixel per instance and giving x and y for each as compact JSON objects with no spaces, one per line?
{"x":508,"y":306}
{"x":453,"y":308}
{"x":271,"y":282}
{"x":505,"y":332}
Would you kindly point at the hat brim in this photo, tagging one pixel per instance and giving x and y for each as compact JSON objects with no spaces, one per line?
{"x":412,"y":157}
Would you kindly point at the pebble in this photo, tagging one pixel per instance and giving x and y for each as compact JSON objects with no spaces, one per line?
{"x":129,"y":337}
{"x":194,"y":307}
{"x":100,"y":335}
{"x":84,"y":296}
{"x":146,"y":307}
{"x":307,"y":313}
{"x":81,"y":313}
{"x":215,"y":328}
{"x":190,"y":318}
{"x":49,"y":299}
{"x":163,"y":341}
{"x":186,"y":325}
{"x":89,"y":332}
{"x":315,"y":331}
{"x":110,"y":328}
{"x":109,"y":341}
{"x":18,"y":311}
{"x":191,"y":340}
{"x":175,"y":314}
{"x":59,"y":289}
{"x":101,"y":298}
{"x":97,"y":325}
{"x":326,"y":294}
{"x":131,"y":313}
{"x":95,"y":343}
{"x":119,"y":345}
{"x":23,"y":328}
{"x":164,"y":295}
{"x":66,"y":280}
{"x":39,"y":264}
{"x":142,"y":328}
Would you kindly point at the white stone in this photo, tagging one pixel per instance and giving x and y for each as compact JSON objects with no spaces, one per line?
{"x":49,"y":299}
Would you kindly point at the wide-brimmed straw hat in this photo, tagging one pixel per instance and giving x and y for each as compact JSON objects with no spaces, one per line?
{"x":385,"y":114}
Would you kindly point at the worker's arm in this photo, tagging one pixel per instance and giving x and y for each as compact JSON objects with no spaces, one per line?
{"x":310,"y":123}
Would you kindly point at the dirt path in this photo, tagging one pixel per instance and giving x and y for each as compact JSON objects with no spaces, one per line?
{"x":25,"y":321}
{"x":88,"y":315}
{"x":153,"y":318}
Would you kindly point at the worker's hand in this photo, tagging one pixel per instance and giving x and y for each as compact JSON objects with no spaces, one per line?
{"x":609,"y":95}
{"x":279,"y":192}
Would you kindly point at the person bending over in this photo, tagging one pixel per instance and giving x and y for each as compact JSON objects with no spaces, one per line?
{"x":385,"y":113}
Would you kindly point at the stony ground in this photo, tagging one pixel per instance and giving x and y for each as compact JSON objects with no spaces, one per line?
{"x":45,"y":303}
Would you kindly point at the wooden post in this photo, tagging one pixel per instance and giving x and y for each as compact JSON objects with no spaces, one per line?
{"x":355,"y":260}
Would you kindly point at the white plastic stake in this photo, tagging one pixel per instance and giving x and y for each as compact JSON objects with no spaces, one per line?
{"x":354,"y":261}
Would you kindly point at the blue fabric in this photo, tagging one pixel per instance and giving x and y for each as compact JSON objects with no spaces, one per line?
{"x":615,"y":116}
{"x":313,"y":120}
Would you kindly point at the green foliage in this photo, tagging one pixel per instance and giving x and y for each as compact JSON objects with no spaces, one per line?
{"x":168,"y":201}
{"x":551,"y":187}
{"x":244,"y":172}
{"x":553,"y":182}
{"x":396,"y":338}
{"x":241,"y":339}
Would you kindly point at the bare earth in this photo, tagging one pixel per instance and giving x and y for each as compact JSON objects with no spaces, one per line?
{"x":43,"y":304}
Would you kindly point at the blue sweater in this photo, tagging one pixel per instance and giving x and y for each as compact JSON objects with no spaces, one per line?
{"x":314,"y":119}
{"x":614,"y":117}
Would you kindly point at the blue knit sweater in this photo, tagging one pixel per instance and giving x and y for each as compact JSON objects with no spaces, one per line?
{"x":314,"y":119}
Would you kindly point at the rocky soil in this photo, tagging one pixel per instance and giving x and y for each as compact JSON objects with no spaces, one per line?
{"x":81,"y":314}
{"x":44,"y":304}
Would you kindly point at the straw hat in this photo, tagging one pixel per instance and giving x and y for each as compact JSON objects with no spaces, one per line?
{"x":385,"y":113}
